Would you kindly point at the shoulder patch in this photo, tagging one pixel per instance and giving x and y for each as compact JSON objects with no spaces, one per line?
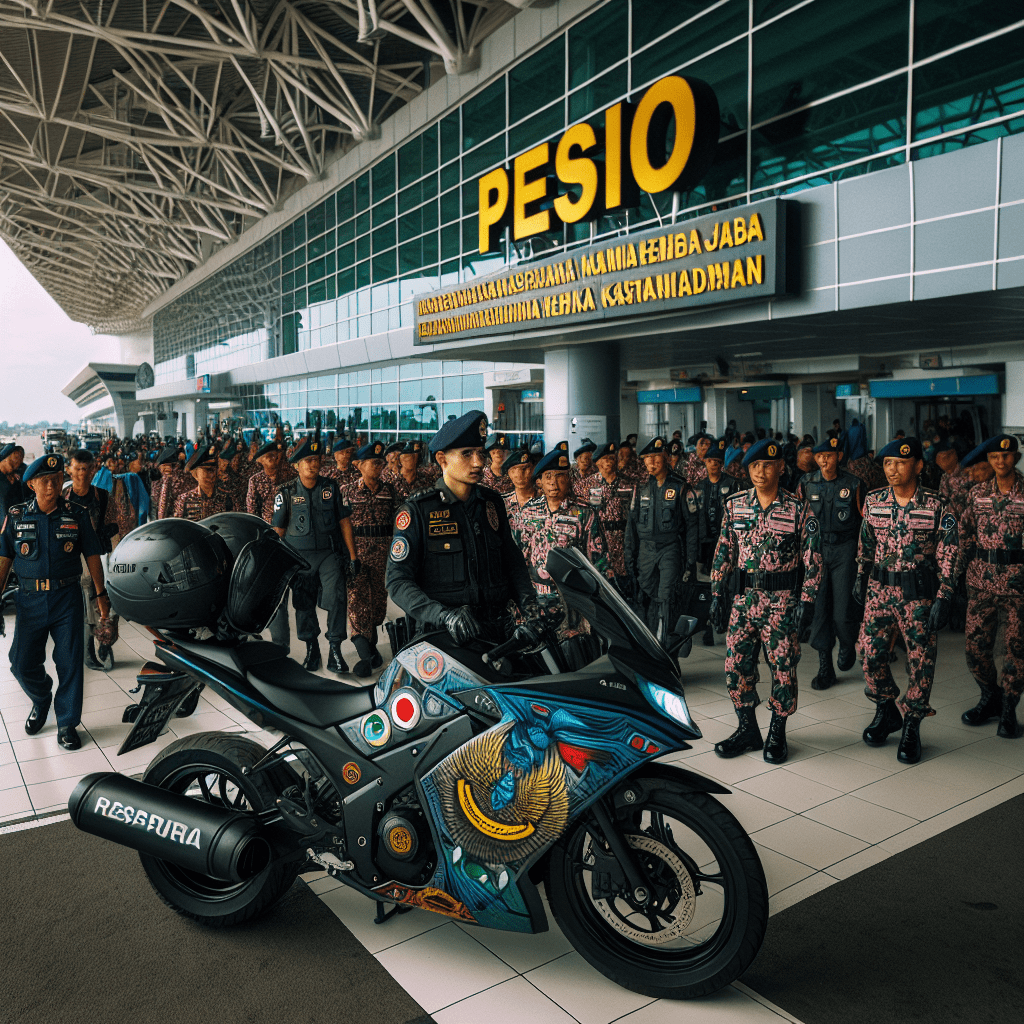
{"x":403,"y":519}
{"x":399,"y":549}
{"x":812,"y":526}
{"x":948,"y":521}
{"x":278,"y":501}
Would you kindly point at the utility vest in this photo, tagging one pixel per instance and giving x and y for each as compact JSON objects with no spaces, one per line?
{"x":313,"y":523}
{"x":834,"y":504}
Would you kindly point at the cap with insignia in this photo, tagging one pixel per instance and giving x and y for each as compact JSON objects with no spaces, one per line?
{"x":342,"y":444}
{"x":202,"y":456}
{"x":6,"y":450}
{"x":656,"y":446}
{"x":902,"y":448}
{"x":273,"y":445}
{"x":557,"y":458}
{"x":310,"y":447}
{"x":468,"y":431}
{"x":395,"y":446}
{"x":229,"y":451}
{"x":168,"y":454}
{"x":608,"y":448}
{"x":586,"y":445}
{"x":497,"y":442}
{"x":765,"y":449}
{"x":830,"y":444}
{"x":521,"y":457}
{"x":999,"y":443}
{"x":373,"y":450}
{"x":409,"y":448}
{"x":44,"y":466}
{"x":675,"y":446}
{"x":716,"y":450}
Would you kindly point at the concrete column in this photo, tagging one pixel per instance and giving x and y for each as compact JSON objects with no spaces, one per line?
{"x":1013,"y":398}
{"x":714,"y":411}
{"x":581,"y":383}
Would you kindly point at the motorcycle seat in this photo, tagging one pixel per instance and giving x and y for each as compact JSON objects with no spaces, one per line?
{"x":307,"y":696}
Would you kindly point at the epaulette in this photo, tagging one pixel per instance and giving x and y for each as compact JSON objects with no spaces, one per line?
{"x":423,"y":495}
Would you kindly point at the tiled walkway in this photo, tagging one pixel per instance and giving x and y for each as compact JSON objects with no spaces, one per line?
{"x":836,"y":807}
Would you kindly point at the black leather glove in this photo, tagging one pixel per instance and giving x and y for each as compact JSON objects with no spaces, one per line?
{"x":806,"y":618}
{"x":719,"y":614}
{"x":691,"y":573}
{"x":352,"y":570}
{"x":860,"y":588}
{"x":939,"y":615}
{"x":461,"y":625}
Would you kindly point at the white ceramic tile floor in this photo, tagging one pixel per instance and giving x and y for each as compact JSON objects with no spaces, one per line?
{"x":836,"y":808}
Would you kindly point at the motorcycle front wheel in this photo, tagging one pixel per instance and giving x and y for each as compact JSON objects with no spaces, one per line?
{"x":704,"y":917}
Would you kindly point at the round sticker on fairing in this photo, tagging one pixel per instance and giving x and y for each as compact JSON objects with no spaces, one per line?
{"x":404,"y":709}
{"x":403,"y":519}
{"x":399,"y":549}
{"x":375,"y":728}
{"x":430,"y":666}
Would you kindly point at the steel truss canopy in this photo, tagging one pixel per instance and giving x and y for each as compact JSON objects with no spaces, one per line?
{"x":136,"y":136}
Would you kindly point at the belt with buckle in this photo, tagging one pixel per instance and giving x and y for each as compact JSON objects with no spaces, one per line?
{"x":761,"y":580}
{"x":50,"y":584}
{"x":371,"y":531}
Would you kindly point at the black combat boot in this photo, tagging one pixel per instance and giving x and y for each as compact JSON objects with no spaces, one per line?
{"x":91,"y":661}
{"x":775,"y":749}
{"x":847,"y":656}
{"x":909,"y":750}
{"x":1008,"y":720}
{"x":989,"y":706}
{"x":746,"y":737}
{"x":826,"y":673}
{"x":375,"y":659}
{"x":335,"y":662}
{"x":887,"y":720}
{"x":312,"y":661}
{"x":709,"y":635}
{"x":364,"y":666}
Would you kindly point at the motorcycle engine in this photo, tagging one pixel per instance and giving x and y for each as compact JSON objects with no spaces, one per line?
{"x":405,"y":851}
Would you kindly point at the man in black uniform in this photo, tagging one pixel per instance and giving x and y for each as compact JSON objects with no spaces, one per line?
{"x":310,"y":515}
{"x":835,"y":498}
{"x":453,"y":562}
{"x":12,"y":488}
{"x":661,"y":537}
{"x":44,"y":539}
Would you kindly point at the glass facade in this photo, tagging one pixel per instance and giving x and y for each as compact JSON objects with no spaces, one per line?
{"x":809,"y":92}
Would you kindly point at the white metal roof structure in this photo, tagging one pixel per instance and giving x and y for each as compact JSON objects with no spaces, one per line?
{"x":137,"y":136}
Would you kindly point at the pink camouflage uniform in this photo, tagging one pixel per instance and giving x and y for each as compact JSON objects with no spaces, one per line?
{"x":611,"y":500}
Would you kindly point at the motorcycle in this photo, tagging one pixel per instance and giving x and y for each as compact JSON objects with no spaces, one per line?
{"x":459,"y":782}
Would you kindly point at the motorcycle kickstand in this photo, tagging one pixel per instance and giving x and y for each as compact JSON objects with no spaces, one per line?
{"x":386,"y":915}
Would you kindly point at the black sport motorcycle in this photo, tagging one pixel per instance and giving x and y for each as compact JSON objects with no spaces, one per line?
{"x":458,"y":782}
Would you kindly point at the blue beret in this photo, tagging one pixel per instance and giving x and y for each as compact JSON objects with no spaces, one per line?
{"x":520,"y":457}
{"x":557,"y":458}
{"x":202,"y":456}
{"x":608,"y":448}
{"x":716,"y":450}
{"x":468,"y":431}
{"x":766,"y":448}
{"x":6,"y":450}
{"x":586,"y":445}
{"x":830,"y":444}
{"x":902,"y":448}
{"x":43,"y":466}
{"x":497,"y":442}
{"x":999,"y":443}
{"x":341,"y":444}
{"x":656,"y":446}
{"x":310,"y":446}
{"x":373,"y":450}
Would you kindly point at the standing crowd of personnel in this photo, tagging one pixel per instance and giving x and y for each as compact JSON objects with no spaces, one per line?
{"x":791,"y":543}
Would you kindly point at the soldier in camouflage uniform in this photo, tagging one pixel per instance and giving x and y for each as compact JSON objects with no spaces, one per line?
{"x":165,"y":462}
{"x":869,"y":471}
{"x":392,"y":467}
{"x":229,"y":478}
{"x":373,"y":502}
{"x":496,"y":448}
{"x":179,"y":482}
{"x":767,"y":538}
{"x":209,"y":497}
{"x":342,"y":469}
{"x":554,"y":520}
{"x":582,"y":467}
{"x":411,"y":477}
{"x":695,"y":469}
{"x":992,"y":545}
{"x":610,"y":495}
{"x":518,"y":467}
{"x":905,"y":561}
{"x":956,"y":479}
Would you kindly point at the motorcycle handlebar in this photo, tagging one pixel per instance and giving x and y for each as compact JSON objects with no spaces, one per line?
{"x":522,"y":637}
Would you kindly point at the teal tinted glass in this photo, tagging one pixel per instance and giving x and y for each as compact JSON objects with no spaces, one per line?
{"x":410,"y":225}
{"x":715,"y":28}
{"x":316,"y":220}
{"x":362,"y":247}
{"x":600,"y":93}
{"x":470,"y":197}
{"x":418,"y":157}
{"x":975,"y":84}
{"x":823,"y":48}
{"x":653,"y":18}
{"x":484,"y":157}
{"x":536,"y":129}
{"x":385,"y":266}
{"x":383,"y":212}
{"x":597,"y":42}
{"x":317,"y":247}
{"x":537,"y":81}
{"x":363,"y":192}
{"x":287,"y":239}
{"x":383,"y":178}
{"x":429,"y":248}
{"x":363,"y":274}
{"x":317,"y":292}
{"x":345,"y":200}
{"x":942,"y":24}
{"x":384,"y":238}
{"x":346,"y":280}
{"x":451,"y":141}
{"x":470,"y":235}
{"x":450,"y":176}
{"x":410,"y":257}
{"x":316,"y":269}
{"x":765,"y":9}
{"x":299,"y":231}
{"x":449,"y":241}
{"x":726,"y":177}
{"x":300,"y":275}
{"x":861,"y":123}
{"x":363,"y":223}
{"x":450,"y":207}
{"x":726,"y":72}
{"x":347,"y":231}
{"x":483,"y":115}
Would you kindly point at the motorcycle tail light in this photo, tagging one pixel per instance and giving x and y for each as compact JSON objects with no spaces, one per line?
{"x":672,"y":704}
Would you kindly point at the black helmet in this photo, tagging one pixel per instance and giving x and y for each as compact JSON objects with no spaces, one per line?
{"x":259,"y":580}
{"x":237,"y":529}
{"x":170,"y":574}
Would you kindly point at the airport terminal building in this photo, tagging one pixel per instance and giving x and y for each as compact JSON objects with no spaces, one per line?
{"x":545,"y":228}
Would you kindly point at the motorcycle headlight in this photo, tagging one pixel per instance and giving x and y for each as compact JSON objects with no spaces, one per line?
{"x":672,"y":704}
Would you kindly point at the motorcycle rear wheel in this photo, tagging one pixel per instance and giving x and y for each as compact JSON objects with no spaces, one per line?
{"x":208,"y":767}
{"x":711,"y":909}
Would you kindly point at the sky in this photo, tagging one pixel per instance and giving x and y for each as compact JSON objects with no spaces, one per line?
{"x":42,"y":348}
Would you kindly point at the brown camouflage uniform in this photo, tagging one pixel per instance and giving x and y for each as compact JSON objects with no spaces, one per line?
{"x":404,"y":488}
{"x":195,"y":505}
{"x":259,"y":498}
{"x":954,"y":488}
{"x":373,"y":515}
{"x":177,"y":484}
{"x":611,"y":500}
{"x":501,"y":484}
{"x":869,"y":471}
{"x":992,"y":527}
{"x":695,"y":470}
{"x":918,"y":539}
{"x":515,"y":515}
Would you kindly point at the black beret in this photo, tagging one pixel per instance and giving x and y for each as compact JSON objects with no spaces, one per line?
{"x":830,"y":444}
{"x":468,"y":431}
{"x":310,"y":446}
{"x":497,"y":442}
{"x":395,"y":446}
{"x":557,"y":458}
{"x":902,"y":448}
{"x":168,"y":454}
{"x":202,"y":455}
{"x":656,"y":446}
{"x":586,"y":445}
{"x":373,"y":450}
{"x":521,"y":457}
{"x":675,"y":446}
{"x":608,"y":448}
{"x":999,"y":443}
{"x":716,"y":450}
{"x":341,"y":444}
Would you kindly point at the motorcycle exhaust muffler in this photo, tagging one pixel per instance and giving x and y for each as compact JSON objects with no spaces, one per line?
{"x":209,"y":840}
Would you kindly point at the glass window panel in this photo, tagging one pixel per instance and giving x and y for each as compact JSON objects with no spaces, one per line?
{"x":363,"y":223}
{"x":599,"y":94}
{"x":287,"y":281}
{"x":483,"y":115}
{"x":410,"y":257}
{"x":471,"y":197}
{"x":316,"y":220}
{"x":330,"y":262}
{"x":330,"y":287}
{"x":346,"y":281}
{"x":383,"y":176}
{"x":346,"y":256}
{"x":823,"y":48}
{"x":346,"y":232}
{"x":300,"y":297}
{"x":384,"y":238}
{"x":726,"y":72}
{"x":409,"y":198}
{"x":536,"y":81}
{"x":473,"y":386}
{"x":484,"y":157}
{"x":450,"y":207}
{"x":300,"y":275}
{"x":450,"y":241}
{"x":318,"y":292}
{"x":316,"y":269}
{"x":450,"y":141}
{"x":363,"y":192}
{"x":299,"y":232}
{"x":383,"y":212}
{"x":859,"y":124}
{"x":765,"y":9}
{"x":597,"y":42}
{"x":330,"y":214}
{"x":470,"y":235}
{"x":287,"y":239}
{"x":410,"y":225}
{"x":429,"y":249}
{"x":385,"y":266}
{"x":288,"y":263}
{"x":345,"y":200}
{"x":362,"y":247}
{"x":450,"y":176}
{"x":317,"y":247}
{"x":653,"y":18}
{"x":972,"y":85}
{"x":942,"y":24}
{"x":429,"y":214}
{"x":537,"y":128}
{"x":727,"y":176}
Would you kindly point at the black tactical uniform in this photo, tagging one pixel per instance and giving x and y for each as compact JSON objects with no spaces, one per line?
{"x":711,"y":499}
{"x":661,"y":541}
{"x":836,"y":504}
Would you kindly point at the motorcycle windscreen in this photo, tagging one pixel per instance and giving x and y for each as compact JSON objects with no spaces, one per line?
{"x":586,"y":591}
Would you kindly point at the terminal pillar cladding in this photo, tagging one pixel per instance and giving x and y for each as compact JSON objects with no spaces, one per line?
{"x":581,"y":382}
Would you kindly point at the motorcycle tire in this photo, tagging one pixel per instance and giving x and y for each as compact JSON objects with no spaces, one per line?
{"x":675,"y":950}
{"x":208,"y":766}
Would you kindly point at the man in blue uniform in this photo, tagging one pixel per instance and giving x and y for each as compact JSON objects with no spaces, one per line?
{"x":44,"y":540}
